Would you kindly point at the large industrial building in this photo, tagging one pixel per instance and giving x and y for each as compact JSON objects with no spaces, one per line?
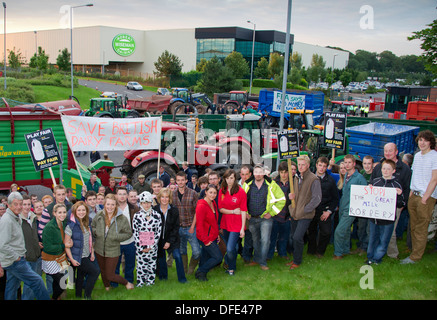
{"x":133,"y":52}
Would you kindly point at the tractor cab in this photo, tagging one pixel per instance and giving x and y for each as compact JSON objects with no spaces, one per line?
{"x":109,"y":108}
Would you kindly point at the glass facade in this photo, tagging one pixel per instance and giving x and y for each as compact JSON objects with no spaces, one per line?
{"x":209,"y":48}
{"x":220,"y":42}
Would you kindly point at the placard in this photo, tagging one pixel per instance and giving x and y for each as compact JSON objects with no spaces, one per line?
{"x":373,"y":202}
{"x":43,"y":149}
{"x":147,"y":238}
{"x":335,"y":130}
{"x":288,"y":141}
{"x":107,"y":134}
{"x":292,"y":101}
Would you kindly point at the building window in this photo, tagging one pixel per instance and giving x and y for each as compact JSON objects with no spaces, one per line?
{"x":209,"y":48}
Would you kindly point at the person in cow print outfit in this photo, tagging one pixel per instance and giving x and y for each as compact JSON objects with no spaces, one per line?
{"x":147,"y":231}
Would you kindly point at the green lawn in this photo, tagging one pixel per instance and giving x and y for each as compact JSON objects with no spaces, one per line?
{"x":52,"y":93}
{"x":315,"y":279}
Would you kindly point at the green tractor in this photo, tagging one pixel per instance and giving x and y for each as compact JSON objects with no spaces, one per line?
{"x":109,"y":108}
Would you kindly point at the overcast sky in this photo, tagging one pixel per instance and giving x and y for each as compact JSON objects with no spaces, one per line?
{"x":350,"y":24}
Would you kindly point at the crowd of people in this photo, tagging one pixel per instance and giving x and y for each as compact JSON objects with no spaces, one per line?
{"x":251,"y":213}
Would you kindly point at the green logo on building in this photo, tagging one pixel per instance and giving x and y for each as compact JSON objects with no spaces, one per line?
{"x":123,"y":45}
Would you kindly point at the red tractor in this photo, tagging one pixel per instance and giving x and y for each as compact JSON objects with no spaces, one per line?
{"x":177,"y":145}
{"x":238,"y":100}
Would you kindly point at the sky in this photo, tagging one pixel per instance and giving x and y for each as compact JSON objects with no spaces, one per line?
{"x":349,"y":24}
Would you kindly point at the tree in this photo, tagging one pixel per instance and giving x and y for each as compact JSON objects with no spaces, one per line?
{"x":317,"y":72}
{"x":428,"y":36}
{"x":14,"y":59}
{"x":262,"y":69}
{"x":216,"y":78}
{"x":296,"y":61}
{"x":63,"y":60}
{"x":40,"y":60}
{"x":236,"y":62}
{"x":201,"y":65}
{"x":276,"y":64}
{"x":168,"y":64}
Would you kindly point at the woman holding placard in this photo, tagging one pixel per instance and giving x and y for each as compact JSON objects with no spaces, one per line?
{"x":147,"y":231}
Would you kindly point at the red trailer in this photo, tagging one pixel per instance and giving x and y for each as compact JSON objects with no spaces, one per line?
{"x":154,"y":104}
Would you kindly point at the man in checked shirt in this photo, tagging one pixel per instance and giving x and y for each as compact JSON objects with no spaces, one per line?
{"x":185,"y":199}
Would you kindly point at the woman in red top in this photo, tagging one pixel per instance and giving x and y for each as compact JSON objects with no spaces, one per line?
{"x":232,"y":202}
{"x":207,"y":232}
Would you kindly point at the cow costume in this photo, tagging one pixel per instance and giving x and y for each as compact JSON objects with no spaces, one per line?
{"x":147,"y":231}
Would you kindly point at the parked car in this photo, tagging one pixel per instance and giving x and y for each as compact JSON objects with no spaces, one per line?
{"x":133,"y":85}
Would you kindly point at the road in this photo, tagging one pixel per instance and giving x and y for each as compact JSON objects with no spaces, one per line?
{"x":106,"y":86}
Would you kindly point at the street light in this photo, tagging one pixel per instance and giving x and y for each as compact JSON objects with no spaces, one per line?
{"x":253,"y":51}
{"x":332,"y":72}
{"x":71,"y":41}
{"x":4,"y":38}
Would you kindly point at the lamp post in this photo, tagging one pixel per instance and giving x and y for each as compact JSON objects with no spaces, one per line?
{"x":71,"y":40}
{"x":253,"y":52}
{"x":4,"y":38}
{"x":332,"y":72}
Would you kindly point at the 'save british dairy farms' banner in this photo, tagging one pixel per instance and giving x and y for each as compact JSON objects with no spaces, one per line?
{"x":107,"y":134}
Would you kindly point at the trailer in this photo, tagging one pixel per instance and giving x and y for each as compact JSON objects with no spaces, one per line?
{"x":156,"y":104}
{"x":16,"y":165}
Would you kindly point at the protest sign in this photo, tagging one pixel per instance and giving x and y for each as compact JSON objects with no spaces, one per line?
{"x":335,"y":130}
{"x":288,"y":144}
{"x":107,"y":134}
{"x":373,"y":202}
{"x":43,"y":149}
{"x":292,"y":101}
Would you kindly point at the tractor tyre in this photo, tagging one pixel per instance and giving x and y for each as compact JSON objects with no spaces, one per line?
{"x":173,"y":106}
{"x":201,"y":109}
{"x":149,"y":170}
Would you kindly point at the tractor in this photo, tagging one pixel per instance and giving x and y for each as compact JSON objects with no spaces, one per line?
{"x":109,"y":108}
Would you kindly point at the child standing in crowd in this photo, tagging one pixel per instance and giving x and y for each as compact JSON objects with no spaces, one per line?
{"x":81,"y":254}
{"x":382,"y":230}
{"x":147,"y":231}
{"x":54,"y":258}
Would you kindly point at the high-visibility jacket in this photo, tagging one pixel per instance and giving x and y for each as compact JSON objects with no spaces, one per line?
{"x":275,"y":196}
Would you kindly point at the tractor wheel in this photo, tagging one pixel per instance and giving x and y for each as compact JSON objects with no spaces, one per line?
{"x":230,"y":107}
{"x":201,"y":109}
{"x":173,"y":106}
{"x":126,"y":167}
{"x":133,"y":114}
{"x":149,"y":170}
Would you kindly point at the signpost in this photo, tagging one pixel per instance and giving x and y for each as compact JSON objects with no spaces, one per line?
{"x":43,"y":150}
{"x":288,"y":149}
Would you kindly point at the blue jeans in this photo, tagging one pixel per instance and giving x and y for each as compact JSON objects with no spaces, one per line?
{"x":231,"y":239}
{"x":379,"y":238}
{"x":342,"y":235}
{"x":27,"y":291}
{"x":129,"y":252}
{"x":20,"y":271}
{"x":247,"y":253}
{"x":280,"y":233}
{"x":210,"y":257}
{"x":186,"y":237}
{"x":261,"y":229}
{"x":163,"y":270}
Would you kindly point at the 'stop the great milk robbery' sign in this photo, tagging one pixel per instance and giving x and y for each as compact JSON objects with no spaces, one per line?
{"x":373,"y":202}
{"x":107,"y":134}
